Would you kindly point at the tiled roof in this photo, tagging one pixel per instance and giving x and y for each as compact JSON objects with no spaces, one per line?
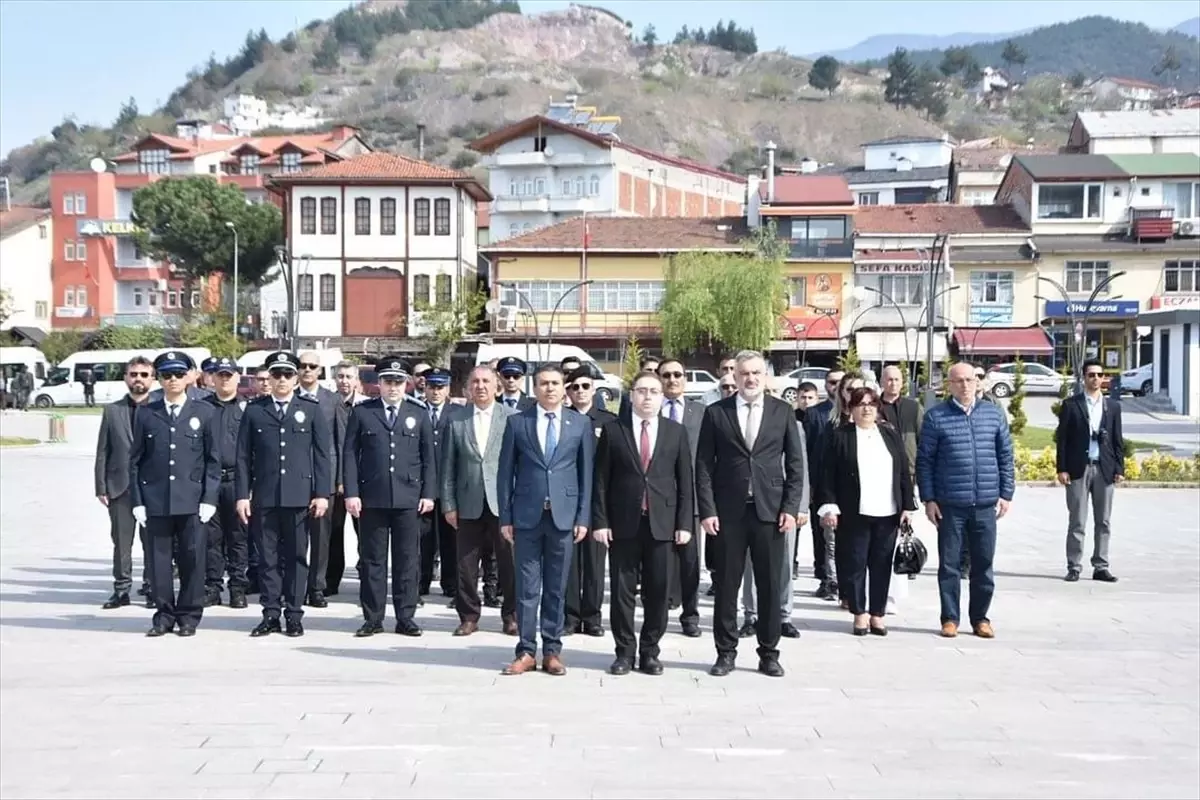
{"x":1158,"y":165}
{"x":1069,"y":167}
{"x":1138,"y":124}
{"x":997,"y":158}
{"x":18,"y":218}
{"x":808,"y":190}
{"x":190,"y":148}
{"x":633,"y":234}
{"x":378,"y":167}
{"x":935,"y":218}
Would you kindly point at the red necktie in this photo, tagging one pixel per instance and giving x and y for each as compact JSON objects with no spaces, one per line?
{"x":644,"y":444}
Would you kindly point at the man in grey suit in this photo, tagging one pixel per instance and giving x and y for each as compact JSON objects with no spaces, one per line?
{"x":470,"y":502}
{"x":320,"y":529}
{"x":544,"y":484}
{"x":684,"y":579}
{"x":112,"y":480}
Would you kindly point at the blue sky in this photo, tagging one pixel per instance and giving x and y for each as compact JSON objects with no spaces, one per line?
{"x":86,"y":57}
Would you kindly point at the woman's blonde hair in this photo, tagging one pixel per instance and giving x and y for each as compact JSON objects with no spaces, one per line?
{"x":839,"y":411}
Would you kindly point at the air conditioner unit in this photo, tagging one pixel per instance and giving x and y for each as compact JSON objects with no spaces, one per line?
{"x":1189,"y":227}
{"x":506,"y":319}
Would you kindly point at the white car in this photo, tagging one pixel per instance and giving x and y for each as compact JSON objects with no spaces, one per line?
{"x":785,"y":385}
{"x":609,"y":390}
{"x":699,"y":383}
{"x":1039,"y":379}
{"x":1139,"y":381}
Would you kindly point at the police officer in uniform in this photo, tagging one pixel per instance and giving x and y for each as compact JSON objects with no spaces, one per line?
{"x":174,"y":477}
{"x":390,"y":477}
{"x":227,"y":540}
{"x":438,"y":537}
{"x":283,"y":467}
{"x":512,"y":382}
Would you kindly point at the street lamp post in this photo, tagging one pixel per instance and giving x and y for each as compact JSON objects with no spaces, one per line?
{"x":537,"y":326}
{"x":982,"y":324}
{"x":1079,"y":326}
{"x":822,"y":314}
{"x":861,"y":296}
{"x":233,"y":228}
{"x":554,"y":311}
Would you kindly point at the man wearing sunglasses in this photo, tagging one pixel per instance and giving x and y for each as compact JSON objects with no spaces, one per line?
{"x":585,"y":580}
{"x":1091,"y":461}
{"x":724,"y":370}
{"x":174,"y":480}
{"x":283,"y":475}
{"x":816,"y":422}
{"x":320,"y":529}
{"x":227,"y":537}
{"x":112,"y":481}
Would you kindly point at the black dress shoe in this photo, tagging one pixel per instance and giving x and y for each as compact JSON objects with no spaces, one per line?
{"x":266,"y":627}
{"x":789,"y":630}
{"x":571,"y":628}
{"x":691,"y":630}
{"x":294,"y":628}
{"x":142,"y":592}
{"x":369,"y":629}
{"x":770,"y":667}
{"x":491,"y":601}
{"x":712,"y":592}
{"x":591,"y":629}
{"x":722,"y":667}
{"x":1072,"y":576}
{"x":237,"y":598}
{"x":408,"y":628}
{"x":116,"y":601}
{"x":212,"y":598}
{"x":317,"y":600}
{"x":186,"y":630}
{"x":1104,"y":575}
{"x":620,"y":666}
{"x":748,"y":629}
{"x":150,"y":602}
{"x":157,"y":630}
{"x":331,"y":592}
{"x":650,"y":665}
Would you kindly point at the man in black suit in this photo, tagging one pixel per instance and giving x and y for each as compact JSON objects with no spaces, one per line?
{"x":685,"y":564}
{"x":112,"y":481}
{"x":1091,"y":460}
{"x":816,"y":421}
{"x":349,"y":395}
{"x":648,"y":364}
{"x":320,"y":529}
{"x":585,"y":581}
{"x":438,"y":535}
{"x":749,"y":485}
{"x":642,"y":456}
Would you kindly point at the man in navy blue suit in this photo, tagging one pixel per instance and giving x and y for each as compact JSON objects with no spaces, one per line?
{"x":545,"y":487}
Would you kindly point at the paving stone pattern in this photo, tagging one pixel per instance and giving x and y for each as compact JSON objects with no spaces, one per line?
{"x":1089,"y":690}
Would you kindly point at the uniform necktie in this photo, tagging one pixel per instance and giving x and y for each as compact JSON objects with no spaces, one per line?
{"x":674,"y":411}
{"x":279,"y":409}
{"x":753,"y":416}
{"x":551,"y":436}
{"x":434,"y":412}
{"x":511,"y":402}
{"x":391,"y":415}
{"x":644,"y":445}
{"x":173,"y":410}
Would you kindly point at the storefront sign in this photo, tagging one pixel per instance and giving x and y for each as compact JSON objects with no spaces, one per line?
{"x":104,"y":227}
{"x":890,"y":269}
{"x":820,"y":315}
{"x":801,"y":323}
{"x":1176,"y":301}
{"x":990,"y":315}
{"x":1100,"y":308}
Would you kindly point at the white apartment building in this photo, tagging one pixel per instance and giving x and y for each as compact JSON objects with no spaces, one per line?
{"x":26,"y":252}
{"x":1170,"y":130}
{"x":246,"y":114}
{"x":543,"y":170}
{"x":369,"y":239}
{"x":901,"y":170}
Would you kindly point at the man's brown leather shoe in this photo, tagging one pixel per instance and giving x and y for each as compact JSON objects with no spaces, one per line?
{"x":553,"y":665}
{"x":466,"y":628}
{"x":510,"y":627}
{"x":984,"y":630}
{"x":520,"y":665}
{"x":949,"y":630}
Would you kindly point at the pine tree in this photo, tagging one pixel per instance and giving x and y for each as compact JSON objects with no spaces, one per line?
{"x":1016,"y":405}
{"x":632,"y":364}
{"x":849,"y":361}
{"x":900,"y":86}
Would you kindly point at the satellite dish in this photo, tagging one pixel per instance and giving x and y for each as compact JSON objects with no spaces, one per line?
{"x":492,"y":306}
{"x":549,"y":151}
{"x":98,"y":164}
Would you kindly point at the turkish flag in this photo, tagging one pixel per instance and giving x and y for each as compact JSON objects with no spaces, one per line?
{"x":587,"y":235}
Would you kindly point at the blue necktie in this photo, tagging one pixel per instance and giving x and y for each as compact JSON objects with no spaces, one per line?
{"x":551,"y":437}
{"x":391,"y":414}
{"x":434,"y":411}
{"x":674,"y":417}
{"x":511,"y":402}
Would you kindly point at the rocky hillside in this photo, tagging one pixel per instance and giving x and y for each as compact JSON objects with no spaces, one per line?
{"x":692,"y":100}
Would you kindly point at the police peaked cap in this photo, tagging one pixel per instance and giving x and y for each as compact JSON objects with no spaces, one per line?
{"x":174,"y":360}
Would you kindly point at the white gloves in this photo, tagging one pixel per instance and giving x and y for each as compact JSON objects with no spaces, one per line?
{"x":207,"y":512}
{"x":139,"y":514}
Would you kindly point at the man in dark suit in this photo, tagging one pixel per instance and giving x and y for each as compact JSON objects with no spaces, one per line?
{"x":390,"y":477}
{"x":749,"y":485}
{"x":1091,"y":461}
{"x":320,"y":529}
{"x":648,"y":364}
{"x":174,"y":480}
{"x":816,"y":421}
{"x":112,"y":481}
{"x":512,"y":380}
{"x":470,"y":464}
{"x":345,"y":375}
{"x":585,"y":583}
{"x":228,"y":550}
{"x":685,"y":563}
{"x":283,"y":476}
{"x":545,"y":486}
{"x":644,"y":456}
{"x":437,"y":535}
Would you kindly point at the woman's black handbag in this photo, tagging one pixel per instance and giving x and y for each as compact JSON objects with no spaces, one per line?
{"x":911,"y":554}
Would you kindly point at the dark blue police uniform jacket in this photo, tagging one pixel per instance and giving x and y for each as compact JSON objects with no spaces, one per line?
{"x":283,"y":463}
{"x":175,"y":464}
{"x":389,"y":468}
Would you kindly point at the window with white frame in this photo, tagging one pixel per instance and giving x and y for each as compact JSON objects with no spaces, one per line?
{"x":644,"y":296}
{"x":290,"y":162}
{"x":137,"y":298}
{"x":566,"y":187}
{"x":514,"y":228}
{"x":387,"y":216}
{"x":992,"y":288}
{"x":305,"y":293}
{"x":308,"y":216}
{"x":906,"y":290}
{"x":68,"y":203}
{"x":195,"y":300}
{"x":1069,"y":200}
{"x":1083,"y":276}
{"x":542,"y":295}
{"x":328,"y":293}
{"x":81,"y":297}
{"x":580,"y":187}
{"x":594,"y":185}
{"x":172,"y":299}
{"x":1182,"y":277}
{"x":1184,"y":198}
{"x":152,"y":298}
{"x":154,"y":162}
{"x":868,"y":198}
{"x":539,"y":186}
{"x":420,"y":296}
{"x":41,"y":309}
{"x":80,"y":203}
{"x":797,"y":292}
{"x":514,"y":186}
{"x":69,"y":250}
{"x":69,"y":297}
{"x":249,"y":164}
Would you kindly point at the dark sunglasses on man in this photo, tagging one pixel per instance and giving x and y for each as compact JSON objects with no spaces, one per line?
{"x":171,"y":375}
{"x":577,"y":387}
{"x":674,"y":374}
{"x":309,"y":365}
{"x":279,"y":374}
{"x":137,"y":374}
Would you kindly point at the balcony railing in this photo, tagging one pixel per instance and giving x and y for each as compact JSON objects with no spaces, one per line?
{"x":508,"y":204}
{"x":820,"y":248}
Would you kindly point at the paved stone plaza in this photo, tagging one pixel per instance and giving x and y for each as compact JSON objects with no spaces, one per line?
{"x":1089,"y":690}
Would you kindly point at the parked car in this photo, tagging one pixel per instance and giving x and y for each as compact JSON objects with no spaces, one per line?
{"x":784,"y":386}
{"x":699,"y":382}
{"x":1139,"y":381}
{"x":1039,"y":379}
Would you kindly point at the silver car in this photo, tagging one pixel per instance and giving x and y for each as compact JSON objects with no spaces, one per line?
{"x":1039,"y":379}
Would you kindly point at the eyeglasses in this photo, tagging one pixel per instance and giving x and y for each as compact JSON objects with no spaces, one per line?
{"x":303,"y":365}
{"x":1094,"y":375}
{"x":171,"y":375}
{"x":725,"y":387}
{"x":575,"y":387}
{"x":867,"y":404}
{"x":670,"y":374}
{"x":137,"y":374}
{"x":647,"y":390}
{"x":278,"y":374}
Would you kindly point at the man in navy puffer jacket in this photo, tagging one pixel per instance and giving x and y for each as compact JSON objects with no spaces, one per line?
{"x":965,"y":475}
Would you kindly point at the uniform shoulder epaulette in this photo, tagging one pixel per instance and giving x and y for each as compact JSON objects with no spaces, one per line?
{"x":308,"y":399}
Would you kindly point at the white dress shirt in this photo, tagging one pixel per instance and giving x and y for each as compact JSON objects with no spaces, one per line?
{"x":876,"y":476}
{"x":652,"y":431}
{"x":543,"y":423}
{"x":482,"y":420}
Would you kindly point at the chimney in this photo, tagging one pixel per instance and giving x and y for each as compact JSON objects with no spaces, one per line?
{"x":421,"y":141}
{"x":770,"y":172}
{"x":808,"y":166}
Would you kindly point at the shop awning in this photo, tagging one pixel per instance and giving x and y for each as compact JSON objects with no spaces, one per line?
{"x":35,"y":336}
{"x":897,"y":346}
{"x":1003,"y":341}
